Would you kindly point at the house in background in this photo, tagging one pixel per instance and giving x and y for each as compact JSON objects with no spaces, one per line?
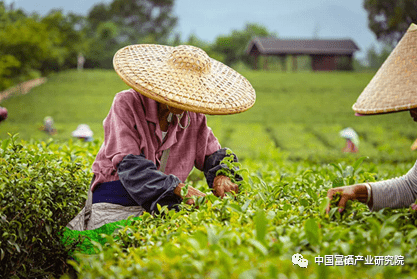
{"x":326,"y":55}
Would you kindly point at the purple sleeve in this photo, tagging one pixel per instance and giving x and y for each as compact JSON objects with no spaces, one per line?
{"x":213,"y":164}
{"x":146,"y":185}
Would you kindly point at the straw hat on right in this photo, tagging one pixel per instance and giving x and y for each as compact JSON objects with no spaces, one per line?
{"x":394,"y":86}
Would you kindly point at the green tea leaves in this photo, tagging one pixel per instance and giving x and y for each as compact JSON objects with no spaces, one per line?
{"x":261,"y":226}
{"x":312,"y":231}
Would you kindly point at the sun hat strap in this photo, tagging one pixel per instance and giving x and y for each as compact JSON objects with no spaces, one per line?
{"x":88,"y":205}
{"x":169,"y":118}
{"x":188,"y":121}
{"x":164,"y":160}
{"x":165,"y":153}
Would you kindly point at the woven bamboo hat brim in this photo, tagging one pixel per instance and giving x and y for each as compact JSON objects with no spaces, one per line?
{"x":394,"y":86}
{"x":184,"y":77}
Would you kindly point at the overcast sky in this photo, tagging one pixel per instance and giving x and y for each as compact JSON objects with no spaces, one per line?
{"x":208,"y":19}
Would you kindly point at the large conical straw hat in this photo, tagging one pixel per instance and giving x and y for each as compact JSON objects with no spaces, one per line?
{"x":394,"y":86}
{"x":184,"y":77}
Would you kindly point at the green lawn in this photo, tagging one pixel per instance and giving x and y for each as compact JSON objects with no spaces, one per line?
{"x":300,"y":113}
{"x":71,"y":98}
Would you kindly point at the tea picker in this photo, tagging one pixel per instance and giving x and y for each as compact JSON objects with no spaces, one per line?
{"x":352,"y":140}
{"x":156,"y":133}
{"x":392,"y":89}
{"x":48,"y":125}
{"x":83,"y":132}
{"x":3,"y":114}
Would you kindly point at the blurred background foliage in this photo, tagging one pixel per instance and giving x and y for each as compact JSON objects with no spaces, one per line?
{"x":299,"y":113}
{"x":32,"y":45}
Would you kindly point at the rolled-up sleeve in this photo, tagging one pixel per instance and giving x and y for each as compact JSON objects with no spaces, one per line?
{"x":213,"y":164}
{"x":146,"y":185}
{"x":395,"y":193}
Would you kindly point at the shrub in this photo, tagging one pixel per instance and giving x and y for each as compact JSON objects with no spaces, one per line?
{"x":42,"y":187}
{"x":279,"y":211}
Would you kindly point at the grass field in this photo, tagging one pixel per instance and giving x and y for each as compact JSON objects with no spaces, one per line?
{"x":299,"y":113}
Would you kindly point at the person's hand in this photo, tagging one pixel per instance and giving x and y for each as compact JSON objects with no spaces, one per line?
{"x":222,"y":184}
{"x":354,"y":192}
{"x":191,"y":192}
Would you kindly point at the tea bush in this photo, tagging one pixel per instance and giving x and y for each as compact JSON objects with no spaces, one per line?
{"x":42,"y":187}
{"x":280,"y":211}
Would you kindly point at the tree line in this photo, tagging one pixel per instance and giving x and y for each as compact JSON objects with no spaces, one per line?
{"x":34,"y":45}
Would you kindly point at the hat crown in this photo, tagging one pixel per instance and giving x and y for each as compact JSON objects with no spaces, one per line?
{"x":184,"y":77}
{"x":190,"y":58}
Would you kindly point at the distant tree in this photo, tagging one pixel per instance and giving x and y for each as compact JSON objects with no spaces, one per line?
{"x":233,"y":46}
{"x":65,"y":33}
{"x":7,"y":65}
{"x":7,"y":61}
{"x":9,"y":14}
{"x":389,"y":19}
{"x":126,"y":22}
{"x":31,"y":46}
{"x":207,"y":47}
{"x":176,"y":40}
{"x":24,"y":44}
{"x":103,"y":45}
{"x":136,"y":19}
{"x":98,"y":14}
{"x":376,"y":58}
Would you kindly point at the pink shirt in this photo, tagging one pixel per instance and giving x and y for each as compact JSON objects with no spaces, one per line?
{"x":132,"y":127}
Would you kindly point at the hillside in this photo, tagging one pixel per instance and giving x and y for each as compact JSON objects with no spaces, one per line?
{"x":299,"y":113}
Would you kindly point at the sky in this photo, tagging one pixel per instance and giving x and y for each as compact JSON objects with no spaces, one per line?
{"x":289,"y":19}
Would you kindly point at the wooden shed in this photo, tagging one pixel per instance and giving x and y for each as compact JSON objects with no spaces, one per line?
{"x":326,"y":55}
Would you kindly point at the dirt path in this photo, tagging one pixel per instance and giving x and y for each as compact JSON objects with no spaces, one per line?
{"x":22,"y":88}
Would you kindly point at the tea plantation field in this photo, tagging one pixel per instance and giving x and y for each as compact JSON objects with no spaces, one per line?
{"x":290,"y":154}
{"x":299,"y":113}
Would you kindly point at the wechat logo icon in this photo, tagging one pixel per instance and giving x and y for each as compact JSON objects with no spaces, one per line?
{"x":298,"y":259}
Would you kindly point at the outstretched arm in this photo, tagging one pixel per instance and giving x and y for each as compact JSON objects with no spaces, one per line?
{"x":393,"y":193}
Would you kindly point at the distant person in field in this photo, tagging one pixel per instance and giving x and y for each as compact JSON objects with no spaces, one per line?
{"x":156,"y":132}
{"x":414,"y":145}
{"x":392,"y":89}
{"x":48,"y":125}
{"x":3,"y":114}
{"x":352,"y":140}
{"x":80,"y":62}
{"x":83,"y":132}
